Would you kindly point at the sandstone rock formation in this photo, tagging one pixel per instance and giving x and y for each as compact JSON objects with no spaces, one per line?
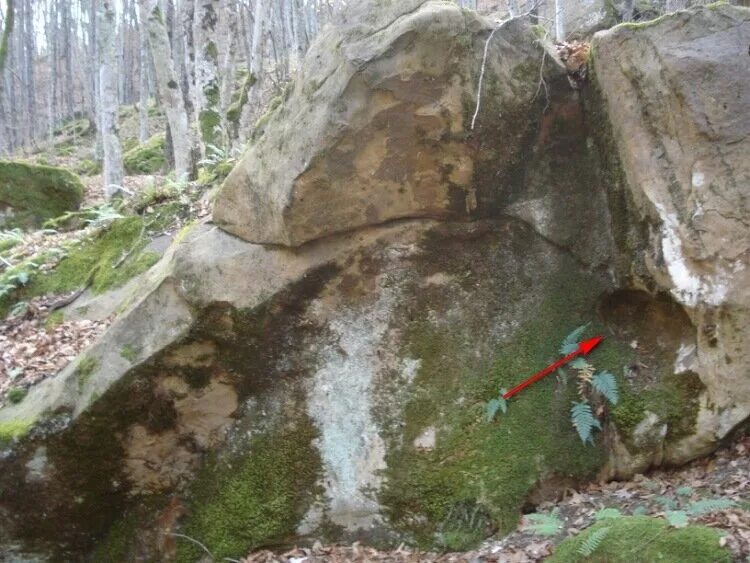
{"x":393,"y":99}
{"x":332,"y":383}
{"x":676,"y":94}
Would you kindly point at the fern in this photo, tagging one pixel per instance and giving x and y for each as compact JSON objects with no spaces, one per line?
{"x":492,"y":407}
{"x":495,"y":405}
{"x":584,"y":421}
{"x":592,"y":543}
{"x":543,"y":524}
{"x":710,"y":505}
{"x":685,"y":491}
{"x":585,"y":374}
{"x":605,"y":383}
{"x":667,"y":503}
{"x":607,"y":513}
{"x":570,"y":343}
{"x":676,"y":518}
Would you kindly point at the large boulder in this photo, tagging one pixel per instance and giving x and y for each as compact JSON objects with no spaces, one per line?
{"x":259,"y":395}
{"x":31,"y":193}
{"x":394,"y":97}
{"x":676,"y":94}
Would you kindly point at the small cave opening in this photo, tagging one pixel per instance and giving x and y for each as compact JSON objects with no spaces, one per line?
{"x":656,"y":327}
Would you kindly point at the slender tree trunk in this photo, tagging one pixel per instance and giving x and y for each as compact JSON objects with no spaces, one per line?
{"x":256,"y":65}
{"x":9,"y":21}
{"x":207,"y":91}
{"x":167,"y":82}
{"x":228,"y":36}
{"x":143,"y":131}
{"x":29,"y":75}
{"x":560,"y":20}
{"x":113,"y":171}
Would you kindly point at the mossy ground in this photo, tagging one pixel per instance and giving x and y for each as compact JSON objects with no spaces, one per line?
{"x":148,"y":158}
{"x":99,"y":258}
{"x":104,"y":261}
{"x":256,"y":500}
{"x":641,"y":538}
{"x":38,"y":192}
{"x":491,"y":468}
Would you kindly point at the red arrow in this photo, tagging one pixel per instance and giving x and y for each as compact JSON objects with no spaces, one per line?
{"x":583,"y":349}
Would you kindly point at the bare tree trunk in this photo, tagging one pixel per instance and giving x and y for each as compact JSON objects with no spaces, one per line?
{"x":560,"y":20}
{"x":9,"y":20}
{"x":228,"y":19}
{"x":207,"y":91}
{"x":30,"y":55}
{"x":256,"y":64}
{"x":143,"y":132}
{"x":168,"y":85}
{"x":113,"y":171}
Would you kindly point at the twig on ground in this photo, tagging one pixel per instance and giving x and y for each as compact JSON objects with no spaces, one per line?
{"x":196,"y":542}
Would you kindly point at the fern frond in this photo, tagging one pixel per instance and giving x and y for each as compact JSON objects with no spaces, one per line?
{"x":584,"y":421}
{"x":676,"y":518}
{"x":491,"y":410}
{"x":607,"y":513}
{"x":570,"y":343}
{"x":592,"y":543}
{"x":585,"y":374}
{"x":667,"y":503}
{"x":543,"y":524}
{"x":606,"y":384}
{"x":710,"y":505}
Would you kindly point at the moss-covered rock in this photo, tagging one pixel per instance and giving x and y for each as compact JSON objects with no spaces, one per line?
{"x":36,"y":193}
{"x":258,"y":499}
{"x":640,"y":538}
{"x":148,"y":158}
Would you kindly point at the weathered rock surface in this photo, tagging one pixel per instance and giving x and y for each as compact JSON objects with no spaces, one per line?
{"x":394,"y":97}
{"x":677,"y":94}
{"x":253,"y":395}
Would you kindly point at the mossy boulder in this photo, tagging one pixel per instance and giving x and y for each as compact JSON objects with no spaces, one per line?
{"x":255,"y":395}
{"x":641,"y":538}
{"x":148,"y":158}
{"x":34,"y":193}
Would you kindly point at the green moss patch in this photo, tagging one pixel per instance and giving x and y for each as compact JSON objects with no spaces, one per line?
{"x":674,"y":400}
{"x":13,"y":430}
{"x":490,"y":469}
{"x":148,"y":158}
{"x":257,"y":500}
{"x":640,"y":538}
{"x":16,"y":395}
{"x":85,"y":369}
{"x":38,"y":192}
{"x":109,"y":260}
{"x":104,"y":261}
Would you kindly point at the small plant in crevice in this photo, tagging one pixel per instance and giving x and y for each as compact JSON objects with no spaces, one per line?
{"x":595,"y":390}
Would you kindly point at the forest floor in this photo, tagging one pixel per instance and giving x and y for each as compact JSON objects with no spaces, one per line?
{"x":713,"y":492}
